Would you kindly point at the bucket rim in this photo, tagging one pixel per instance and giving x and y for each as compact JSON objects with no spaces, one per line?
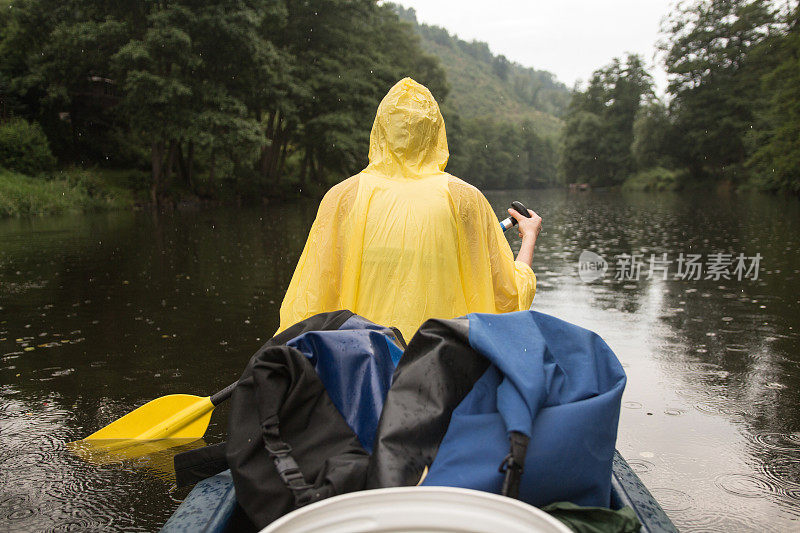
{"x":423,"y":494}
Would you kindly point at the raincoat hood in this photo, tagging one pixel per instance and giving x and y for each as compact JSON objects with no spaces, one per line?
{"x":408,"y":136}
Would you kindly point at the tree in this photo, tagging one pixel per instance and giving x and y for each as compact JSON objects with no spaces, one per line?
{"x":653,"y":138}
{"x":242,"y":73}
{"x":581,"y":159}
{"x":156,"y":71}
{"x":540,"y":156}
{"x":198,"y":69}
{"x":501,"y":67}
{"x":504,"y":155}
{"x":74,"y":71}
{"x":238,"y":92}
{"x":599,"y":133}
{"x":714,"y":83}
{"x":777,"y":160}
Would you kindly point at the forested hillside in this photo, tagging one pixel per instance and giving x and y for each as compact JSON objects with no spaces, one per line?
{"x":217,"y":99}
{"x":502,"y":118}
{"x":239,"y":100}
{"x":484,"y":85}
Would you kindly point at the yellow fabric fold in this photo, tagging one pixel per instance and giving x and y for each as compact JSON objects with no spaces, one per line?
{"x":403,"y":241}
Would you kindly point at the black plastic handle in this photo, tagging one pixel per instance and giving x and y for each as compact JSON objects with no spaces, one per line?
{"x":223,"y":395}
{"x":521,"y":209}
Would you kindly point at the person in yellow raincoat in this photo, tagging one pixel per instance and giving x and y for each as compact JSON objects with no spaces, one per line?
{"x":403,"y":241}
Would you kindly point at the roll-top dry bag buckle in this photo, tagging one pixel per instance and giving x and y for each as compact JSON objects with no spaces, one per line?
{"x":513,"y":471}
{"x":290,"y":472}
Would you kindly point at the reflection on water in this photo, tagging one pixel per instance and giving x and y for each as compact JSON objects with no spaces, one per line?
{"x":156,"y":455}
{"x":101,"y":313}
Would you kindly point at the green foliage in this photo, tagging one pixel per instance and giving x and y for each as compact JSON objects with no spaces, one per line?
{"x":489,"y":86}
{"x":715,"y":78}
{"x":8,"y":103}
{"x":653,"y":137}
{"x":251,"y":98}
{"x":77,"y":190}
{"x":24,"y":147}
{"x":777,"y":159}
{"x":734,"y":111}
{"x":503,"y":155}
{"x":581,"y":149}
{"x":597,"y":139}
{"x":655,"y":179}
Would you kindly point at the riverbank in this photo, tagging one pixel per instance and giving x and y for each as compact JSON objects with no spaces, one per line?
{"x":72,"y":190}
{"x":91,"y":190}
{"x":77,"y":190}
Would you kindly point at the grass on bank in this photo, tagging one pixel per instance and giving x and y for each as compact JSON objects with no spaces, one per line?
{"x":73,"y":190}
{"x":656,"y":179}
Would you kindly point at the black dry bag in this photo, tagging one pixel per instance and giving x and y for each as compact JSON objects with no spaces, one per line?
{"x":288,"y":445}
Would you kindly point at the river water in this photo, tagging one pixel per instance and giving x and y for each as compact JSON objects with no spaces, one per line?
{"x":101,"y":313}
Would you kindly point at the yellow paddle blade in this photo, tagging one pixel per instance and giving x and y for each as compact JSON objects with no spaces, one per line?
{"x":151,"y":454}
{"x":177,"y":416}
{"x":108,"y":451}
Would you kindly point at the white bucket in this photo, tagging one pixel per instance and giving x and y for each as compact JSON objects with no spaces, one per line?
{"x":418,"y":509}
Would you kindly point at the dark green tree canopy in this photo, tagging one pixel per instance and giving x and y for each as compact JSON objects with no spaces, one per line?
{"x":238,"y":92}
{"x":597,"y":139}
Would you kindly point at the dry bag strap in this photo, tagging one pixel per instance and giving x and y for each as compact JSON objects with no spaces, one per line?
{"x":287,"y":467}
{"x":514,"y":463}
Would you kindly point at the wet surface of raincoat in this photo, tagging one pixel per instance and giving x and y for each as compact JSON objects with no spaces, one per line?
{"x":403,"y":241}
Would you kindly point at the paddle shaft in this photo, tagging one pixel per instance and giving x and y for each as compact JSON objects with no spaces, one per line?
{"x":224,"y":394}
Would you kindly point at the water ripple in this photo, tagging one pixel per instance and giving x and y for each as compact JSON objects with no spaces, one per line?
{"x":716,"y":520}
{"x":787,"y":442}
{"x":719,"y":406}
{"x":745,"y":485}
{"x":785,"y":471}
{"x":672,"y":499}
{"x":640,"y":466}
{"x":16,"y":507}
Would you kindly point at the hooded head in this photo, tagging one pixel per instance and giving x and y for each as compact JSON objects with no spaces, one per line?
{"x":408,"y":137}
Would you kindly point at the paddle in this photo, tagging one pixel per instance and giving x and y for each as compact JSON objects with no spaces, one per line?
{"x":151,"y":454}
{"x":176,"y":416}
{"x":510,"y":222}
{"x":185,"y":416}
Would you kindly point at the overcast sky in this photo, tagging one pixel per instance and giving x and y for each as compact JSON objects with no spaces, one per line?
{"x":569,"y":38}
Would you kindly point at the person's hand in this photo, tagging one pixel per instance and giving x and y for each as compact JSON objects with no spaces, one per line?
{"x":529,"y":228}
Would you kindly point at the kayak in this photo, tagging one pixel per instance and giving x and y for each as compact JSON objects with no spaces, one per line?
{"x":211,"y":506}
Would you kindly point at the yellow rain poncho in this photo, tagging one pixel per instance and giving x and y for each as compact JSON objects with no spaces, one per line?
{"x":403,"y":241}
